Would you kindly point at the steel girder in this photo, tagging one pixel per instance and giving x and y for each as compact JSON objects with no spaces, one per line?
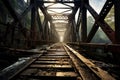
{"x":84,"y":6}
{"x":84,"y":20}
{"x":16,"y":22}
{"x":16,"y":17}
{"x":99,"y":21}
{"x":117,"y":20}
{"x":33,"y":24}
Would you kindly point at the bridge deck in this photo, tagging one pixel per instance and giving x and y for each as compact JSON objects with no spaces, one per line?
{"x":60,"y":62}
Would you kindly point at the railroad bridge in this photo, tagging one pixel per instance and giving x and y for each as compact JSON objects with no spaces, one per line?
{"x":59,"y":40}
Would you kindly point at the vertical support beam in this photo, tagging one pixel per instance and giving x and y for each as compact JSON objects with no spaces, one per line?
{"x":74,"y":30}
{"x":116,"y":55}
{"x":46,"y":32}
{"x":78,"y":25}
{"x":71,"y":32}
{"x":49,"y":31}
{"x":117,"y":21}
{"x":33,"y":24}
{"x":39,"y":24}
{"x":84,"y":21}
{"x":50,"y":37}
{"x":45,"y":23}
{"x":13,"y":33}
{"x":6,"y":33}
{"x":52,"y":32}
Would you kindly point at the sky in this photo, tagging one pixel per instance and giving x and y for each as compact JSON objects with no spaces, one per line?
{"x":25,"y":0}
{"x":97,"y":4}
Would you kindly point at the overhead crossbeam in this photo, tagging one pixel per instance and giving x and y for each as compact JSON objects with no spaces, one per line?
{"x":59,"y":1}
{"x":59,"y":8}
{"x":60,"y":17}
{"x":68,"y":5}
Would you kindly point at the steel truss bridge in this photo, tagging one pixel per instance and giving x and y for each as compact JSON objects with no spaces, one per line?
{"x":52,"y":21}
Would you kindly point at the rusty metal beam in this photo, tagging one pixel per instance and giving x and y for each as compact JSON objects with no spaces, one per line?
{"x":14,"y":15}
{"x":44,"y":10}
{"x":47,"y":32}
{"x":33,"y":24}
{"x":39,"y":24}
{"x":78,"y":21}
{"x":106,"y":8}
{"x":26,"y":11}
{"x":117,"y":20}
{"x":10,"y":9}
{"x":47,"y":18}
{"x":39,"y":21}
{"x":92,"y":32}
{"x":8,"y":28}
{"x":45,"y":23}
{"x":84,"y":21}
{"x":105,"y":27}
{"x":13,"y":33}
{"x":74,"y":33}
{"x":107,"y":47}
{"x":74,"y":10}
{"x":101,"y":73}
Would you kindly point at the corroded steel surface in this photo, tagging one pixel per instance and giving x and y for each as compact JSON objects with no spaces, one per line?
{"x":60,"y":62}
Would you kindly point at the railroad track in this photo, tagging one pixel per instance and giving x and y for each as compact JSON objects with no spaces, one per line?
{"x":60,"y":62}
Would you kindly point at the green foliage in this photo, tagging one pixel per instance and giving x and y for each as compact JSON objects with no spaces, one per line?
{"x":110,"y":18}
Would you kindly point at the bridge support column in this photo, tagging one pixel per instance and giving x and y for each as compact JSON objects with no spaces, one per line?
{"x":33,"y":25}
{"x":45,"y":26}
{"x":73,"y":28}
{"x":117,"y":21}
{"x":117,"y":29}
{"x":84,"y":21}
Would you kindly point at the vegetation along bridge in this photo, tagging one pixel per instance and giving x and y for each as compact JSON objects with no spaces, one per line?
{"x":59,"y":40}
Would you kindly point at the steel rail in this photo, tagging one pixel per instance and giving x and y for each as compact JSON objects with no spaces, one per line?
{"x":102,"y":74}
